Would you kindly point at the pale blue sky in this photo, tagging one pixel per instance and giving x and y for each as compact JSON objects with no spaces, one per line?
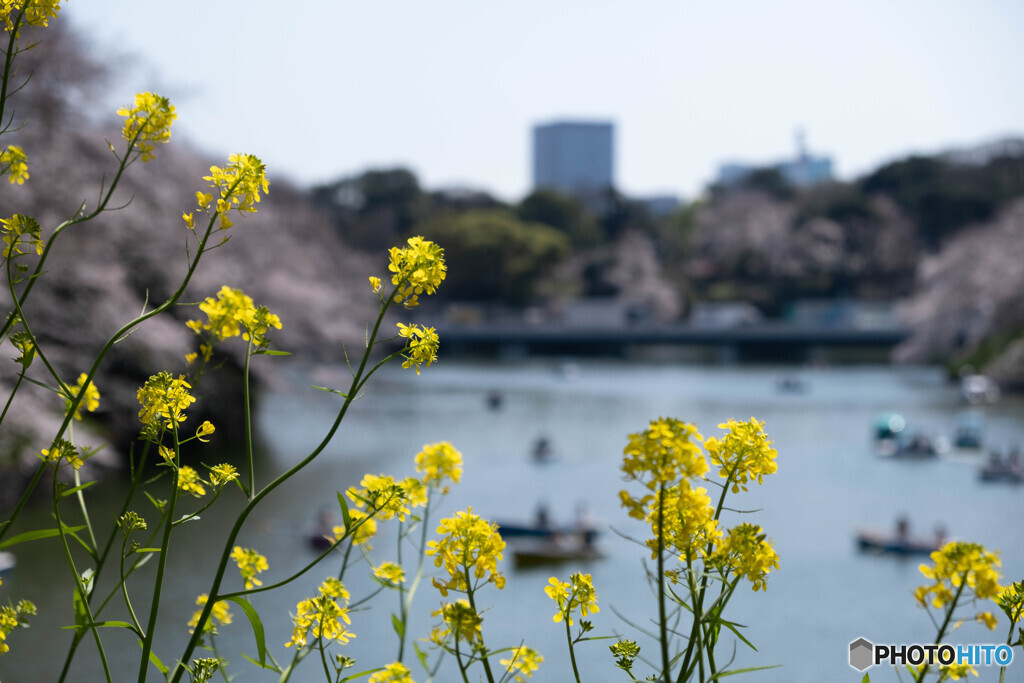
{"x":450,"y":88}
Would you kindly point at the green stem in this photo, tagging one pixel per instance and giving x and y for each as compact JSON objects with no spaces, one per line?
{"x":323,"y":657}
{"x":165,"y":544}
{"x":945,"y":624}
{"x":572,"y":652}
{"x":483,"y":648}
{"x":698,"y":608}
{"x":282,"y":478}
{"x":8,"y":63}
{"x":662,"y":625}
{"x":172,"y":300}
{"x":248,"y":422}
{"x":458,"y":659}
{"x":83,"y":594}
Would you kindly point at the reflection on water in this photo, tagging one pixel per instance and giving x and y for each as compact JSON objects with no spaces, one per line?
{"x":829,"y":484}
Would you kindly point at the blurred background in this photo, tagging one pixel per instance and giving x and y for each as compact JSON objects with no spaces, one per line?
{"x":812,"y":215}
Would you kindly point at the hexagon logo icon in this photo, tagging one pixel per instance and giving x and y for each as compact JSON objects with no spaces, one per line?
{"x":861,"y":654}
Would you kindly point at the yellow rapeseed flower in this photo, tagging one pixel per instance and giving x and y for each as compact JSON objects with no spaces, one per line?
{"x":36,"y":12}
{"x":687,"y":521}
{"x":955,"y":564}
{"x":238,"y":184}
{"x":232,"y":313}
{"x":743,"y":453}
{"x":90,"y":399}
{"x":392,"y":673}
{"x":458,"y":619}
{"x":468,"y":545}
{"x":389,"y":572}
{"x":14,"y":162}
{"x":523,"y":663}
{"x":205,"y":429}
{"x":416,"y":269}
{"x":666,"y":451}
{"x":576,"y":593}
{"x":422,"y":345}
{"x":189,"y":481}
{"x":164,"y":398}
{"x":148,"y":121}
{"x":250,"y":563}
{"x":381,"y":493}
{"x":220,"y":612}
{"x":439,"y":463}
{"x":19,"y":229}
{"x":746,"y":551}
{"x":322,"y":617}
{"x":222,"y":474}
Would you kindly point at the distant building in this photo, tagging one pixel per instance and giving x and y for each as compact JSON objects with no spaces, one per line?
{"x":803,"y":171}
{"x":574,"y":157}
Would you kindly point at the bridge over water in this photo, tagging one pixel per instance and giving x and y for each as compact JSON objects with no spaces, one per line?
{"x":767,"y":341}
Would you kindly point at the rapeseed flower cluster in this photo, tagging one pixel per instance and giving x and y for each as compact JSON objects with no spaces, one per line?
{"x":576,"y":593}
{"x":230,"y":314}
{"x":90,"y":396}
{"x":416,"y":269}
{"x":746,"y":551}
{"x":523,"y":663}
{"x":325,"y":616}
{"x":13,"y":617}
{"x":163,"y":399}
{"x":956,"y":671}
{"x":390,"y":573}
{"x":222,"y":474}
{"x":666,"y":451}
{"x":382,"y":494}
{"x":685,"y":520}
{"x":189,"y":481}
{"x":458,"y":619}
{"x":422,"y":345}
{"x":468,"y":546}
{"x":36,"y":12}
{"x":365,"y":529}
{"x":396,"y":672}
{"x":959,"y":566}
{"x":1011,"y":601}
{"x":62,"y":449}
{"x":220,"y":613}
{"x":439,"y":463}
{"x":250,"y":563}
{"x":20,"y":229}
{"x":238,"y":187}
{"x":14,"y":162}
{"x":742,"y":454}
{"x":148,"y":121}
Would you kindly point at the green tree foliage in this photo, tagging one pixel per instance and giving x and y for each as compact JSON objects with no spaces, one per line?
{"x":563,"y":213}
{"x":941,"y":196}
{"x":494,"y":256}
{"x":373,"y":208}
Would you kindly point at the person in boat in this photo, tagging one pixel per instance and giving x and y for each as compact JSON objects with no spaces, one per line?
{"x":542,"y":520}
{"x":541,"y":449}
{"x":902,"y":535}
{"x":585,"y":526}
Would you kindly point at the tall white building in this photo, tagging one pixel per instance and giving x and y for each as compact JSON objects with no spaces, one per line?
{"x":574,"y":157}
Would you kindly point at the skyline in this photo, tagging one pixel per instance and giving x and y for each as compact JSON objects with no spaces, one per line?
{"x":452,"y":90}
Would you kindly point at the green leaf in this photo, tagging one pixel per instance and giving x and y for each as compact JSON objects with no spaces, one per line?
{"x":398,"y":625}
{"x":76,"y":489}
{"x":346,"y":518}
{"x":734,"y":672}
{"x":40,"y":533}
{"x":331,"y":391}
{"x":270,"y":352}
{"x":257,"y":626}
{"x":421,"y":655}
{"x":270,"y":667}
{"x":866,"y":679}
{"x":156,"y":662}
{"x":732,"y":627}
